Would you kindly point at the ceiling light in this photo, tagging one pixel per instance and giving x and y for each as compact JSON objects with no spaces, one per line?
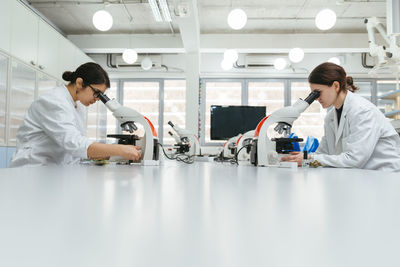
{"x":335,"y":60}
{"x":231,"y":55}
{"x":129,"y":56}
{"x":280,"y":63}
{"x":102,"y":20}
{"x":226,"y":65}
{"x":146,"y":63}
{"x":325,"y":19}
{"x":296,"y":55}
{"x":155,"y":10}
{"x":165,"y":10}
{"x":237,"y":18}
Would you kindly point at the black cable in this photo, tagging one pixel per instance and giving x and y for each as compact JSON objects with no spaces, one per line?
{"x":178,"y":157}
{"x":235,"y":159}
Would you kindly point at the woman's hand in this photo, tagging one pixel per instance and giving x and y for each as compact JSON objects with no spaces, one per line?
{"x":130,"y":152}
{"x":294,"y":157}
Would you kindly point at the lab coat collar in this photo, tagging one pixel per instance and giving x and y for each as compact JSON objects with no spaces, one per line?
{"x":339,"y":130}
{"x":69,"y":96}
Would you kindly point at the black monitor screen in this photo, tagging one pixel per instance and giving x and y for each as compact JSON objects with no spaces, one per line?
{"x":229,"y":121}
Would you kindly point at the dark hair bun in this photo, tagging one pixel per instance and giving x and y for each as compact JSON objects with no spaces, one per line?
{"x":68,"y":76}
{"x":349,"y":80}
{"x":350,"y":86}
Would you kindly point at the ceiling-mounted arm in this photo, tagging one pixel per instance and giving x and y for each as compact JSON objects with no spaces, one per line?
{"x":388,"y":55}
{"x":375,"y":50}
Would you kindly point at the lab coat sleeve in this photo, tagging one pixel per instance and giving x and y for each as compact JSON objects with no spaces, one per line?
{"x":58,"y":123}
{"x":358,"y":146}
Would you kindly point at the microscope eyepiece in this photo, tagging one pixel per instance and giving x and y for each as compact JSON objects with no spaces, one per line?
{"x":171,"y":124}
{"x":104,"y":98}
{"x":312,"y":96}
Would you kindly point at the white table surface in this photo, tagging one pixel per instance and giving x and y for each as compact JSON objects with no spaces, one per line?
{"x":205,"y":214}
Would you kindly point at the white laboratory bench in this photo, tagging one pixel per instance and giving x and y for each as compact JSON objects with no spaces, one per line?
{"x":204,"y":215}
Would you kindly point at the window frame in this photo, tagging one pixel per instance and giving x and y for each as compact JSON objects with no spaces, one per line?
{"x":287,"y":82}
{"x":161,"y":83}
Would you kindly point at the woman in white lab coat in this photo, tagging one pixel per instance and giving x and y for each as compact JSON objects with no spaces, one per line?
{"x":54,"y":128}
{"x":357,"y":134}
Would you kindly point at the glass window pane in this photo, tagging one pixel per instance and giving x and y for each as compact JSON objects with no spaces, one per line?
{"x":268,"y":94}
{"x":100,"y":120}
{"x":45,"y":83}
{"x":3,"y":97}
{"x":311,"y":121}
{"x":144,"y":98}
{"x":23,"y":81}
{"x":384,"y":87}
{"x":365,"y":89}
{"x":220,"y":93}
{"x":174,"y":107}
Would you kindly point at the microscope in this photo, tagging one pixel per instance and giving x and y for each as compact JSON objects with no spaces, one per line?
{"x":230,"y":147}
{"x":244,"y":146}
{"x":186,"y":142}
{"x":264,"y":151}
{"x":128,"y":117}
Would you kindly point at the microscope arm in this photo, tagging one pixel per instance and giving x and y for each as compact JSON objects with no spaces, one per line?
{"x":127,"y":115}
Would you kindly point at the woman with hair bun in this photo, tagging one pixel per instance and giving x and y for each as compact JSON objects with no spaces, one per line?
{"x":357,"y":134}
{"x":54,"y":128}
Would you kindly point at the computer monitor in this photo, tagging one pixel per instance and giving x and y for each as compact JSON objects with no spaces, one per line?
{"x":229,"y":121}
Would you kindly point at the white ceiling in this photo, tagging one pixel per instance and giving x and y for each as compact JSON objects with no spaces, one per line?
{"x":264,"y":16}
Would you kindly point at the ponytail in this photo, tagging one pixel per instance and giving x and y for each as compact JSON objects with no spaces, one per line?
{"x":349,"y":84}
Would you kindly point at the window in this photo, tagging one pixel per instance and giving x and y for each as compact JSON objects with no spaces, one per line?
{"x":144,"y":97}
{"x":219,"y":93}
{"x":311,"y":121}
{"x":384,"y":87}
{"x":365,"y":89}
{"x":100,"y":120}
{"x":174,"y":107}
{"x":269,"y":94}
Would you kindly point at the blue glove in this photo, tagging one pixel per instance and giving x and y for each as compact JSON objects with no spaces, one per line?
{"x":296,"y":146}
{"x":311,"y":144}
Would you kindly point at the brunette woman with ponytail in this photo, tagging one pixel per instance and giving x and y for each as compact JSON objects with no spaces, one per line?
{"x":54,"y":127}
{"x":357,"y":134}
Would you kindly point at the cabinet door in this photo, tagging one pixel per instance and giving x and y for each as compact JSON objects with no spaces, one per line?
{"x":24,"y":33}
{"x":23,"y":80}
{"x":45,"y":83}
{"x":48,"y":49}
{"x":5,"y":25}
{"x":66,"y":56}
{"x":3,"y":97}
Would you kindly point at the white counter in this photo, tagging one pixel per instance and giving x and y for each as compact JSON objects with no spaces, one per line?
{"x":205,"y":214}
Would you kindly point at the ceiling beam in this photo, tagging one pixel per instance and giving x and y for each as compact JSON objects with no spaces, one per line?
{"x":282,"y":43}
{"x":217,"y":43}
{"x":189,"y":28}
{"x":117,"y":43}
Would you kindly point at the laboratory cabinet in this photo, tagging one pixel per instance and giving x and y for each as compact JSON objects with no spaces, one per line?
{"x":5,"y":25}
{"x":24,"y":33}
{"x":27,"y":37}
{"x":20,"y":85}
{"x":22,"y":93}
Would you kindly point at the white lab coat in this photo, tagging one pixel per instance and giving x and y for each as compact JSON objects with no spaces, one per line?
{"x":53,"y":131}
{"x":364,"y":139}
